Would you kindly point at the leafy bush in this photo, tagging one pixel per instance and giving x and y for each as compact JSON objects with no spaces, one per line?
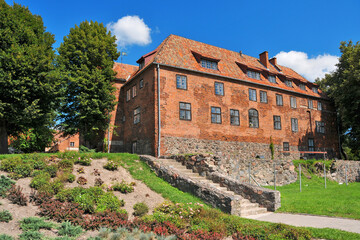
{"x":123,"y":233}
{"x":140,"y":209}
{"x":67,"y":229}
{"x":35,"y":224}
{"x":111,"y":165}
{"x":51,"y":169}
{"x":6,"y":237}
{"x":69,"y":155}
{"x":39,"y":197}
{"x":98,"y":182}
{"x":109,"y":202}
{"x":23,"y":170}
{"x":84,"y":160}
{"x":5,"y":185}
{"x":5,"y":216}
{"x":81,"y":181}
{"x":39,"y":164}
{"x":83,"y":149}
{"x":123,"y":187}
{"x":81,"y":170}
{"x":71,"y":178}
{"x":66,"y":164}
{"x":40,"y":180}
{"x":31,"y":235}
{"x":9,"y":164}
{"x":16,"y":196}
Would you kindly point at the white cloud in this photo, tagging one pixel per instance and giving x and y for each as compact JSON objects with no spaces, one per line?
{"x":310,"y":68}
{"x":130,"y":30}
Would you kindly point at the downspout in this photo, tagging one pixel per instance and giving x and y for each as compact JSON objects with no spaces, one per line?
{"x":159,"y":117}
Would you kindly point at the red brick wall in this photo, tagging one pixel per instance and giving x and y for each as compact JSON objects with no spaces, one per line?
{"x":201,"y":95}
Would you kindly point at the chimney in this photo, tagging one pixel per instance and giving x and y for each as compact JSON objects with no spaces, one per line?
{"x":264,"y":59}
{"x":273,"y":61}
{"x":240,"y":53}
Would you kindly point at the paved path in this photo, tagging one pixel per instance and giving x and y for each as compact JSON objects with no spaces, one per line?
{"x":310,"y":221}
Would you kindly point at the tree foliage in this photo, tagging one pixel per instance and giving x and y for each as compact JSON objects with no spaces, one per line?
{"x":343,"y":86}
{"x":27,"y":84}
{"x":86,"y":59}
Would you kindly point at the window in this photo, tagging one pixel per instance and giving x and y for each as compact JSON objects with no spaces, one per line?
{"x":315,"y":90}
{"x":319,"y":106}
{"x":252,"y":74}
{"x":288,"y":83}
{"x":128,"y":95}
{"x":137,"y":115}
{"x":263,"y":97}
{"x":310,"y":104}
{"x":219,"y":88}
{"x":234,"y":117}
{"x":277,"y":123}
{"x":279,"y":100}
{"x":293,"y":102}
{"x":253,"y":118}
{"x":141,"y":83}
{"x":286,"y":146}
{"x":134,"y":93}
{"x":72,"y":144}
{"x":294,"y":125}
{"x":209,"y":64}
{"x":311,"y":144}
{"x":185,"y":111}
{"x":272,"y":79}
{"x":302,"y":86}
{"x":252,"y":94}
{"x":215,"y":115}
{"x":181,"y":82}
{"x":320,"y":127}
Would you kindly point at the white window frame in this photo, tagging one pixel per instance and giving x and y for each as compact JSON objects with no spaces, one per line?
{"x":293,"y":103}
{"x":219,"y":88}
{"x":263,"y":97}
{"x":279,"y":100}
{"x":181,"y":82}
{"x":252,"y":94}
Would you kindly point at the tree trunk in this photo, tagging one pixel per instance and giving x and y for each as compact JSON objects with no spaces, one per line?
{"x":3,"y":138}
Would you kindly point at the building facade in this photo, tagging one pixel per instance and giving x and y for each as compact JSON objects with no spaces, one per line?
{"x":205,"y":99}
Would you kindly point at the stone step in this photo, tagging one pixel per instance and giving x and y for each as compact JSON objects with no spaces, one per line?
{"x":253,"y":211}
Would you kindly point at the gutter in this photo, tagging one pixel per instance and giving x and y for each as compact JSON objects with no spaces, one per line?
{"x":159,"y":116}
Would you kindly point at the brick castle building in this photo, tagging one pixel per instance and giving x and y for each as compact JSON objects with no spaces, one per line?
{"x":191,"y":97}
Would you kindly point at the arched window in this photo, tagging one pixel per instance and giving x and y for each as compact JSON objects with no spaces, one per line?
{"x":253,"y":118}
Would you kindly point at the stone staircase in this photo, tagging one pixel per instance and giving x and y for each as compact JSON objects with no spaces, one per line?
{"x":240,"y":205}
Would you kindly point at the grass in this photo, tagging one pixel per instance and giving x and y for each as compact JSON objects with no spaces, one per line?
{"x":337,"y":200}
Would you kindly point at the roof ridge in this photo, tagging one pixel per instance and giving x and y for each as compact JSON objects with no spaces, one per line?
{"x":160,"y":47}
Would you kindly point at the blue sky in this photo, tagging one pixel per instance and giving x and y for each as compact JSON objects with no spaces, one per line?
{"x":304,"y":35}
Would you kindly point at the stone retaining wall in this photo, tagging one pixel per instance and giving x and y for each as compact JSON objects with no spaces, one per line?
{"x":226,"y":202}
{"x":338,"y":171}
{"x":262,"y":170}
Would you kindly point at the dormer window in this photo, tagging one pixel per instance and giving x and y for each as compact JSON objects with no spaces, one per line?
{"x":272,"y":79}
{"x":288,"y":83}
{"x":141,"y":64}
{"x":253,"y":74}
{"x":209,"y":64}
{"x":315,"y":90}
{"x":302,"y":86}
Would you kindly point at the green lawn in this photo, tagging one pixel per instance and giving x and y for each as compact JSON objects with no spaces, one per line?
{"x":336,"y":200}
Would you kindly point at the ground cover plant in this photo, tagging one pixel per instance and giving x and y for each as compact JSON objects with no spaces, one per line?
{"x":184,"y":216}
{"x":336,"y":200}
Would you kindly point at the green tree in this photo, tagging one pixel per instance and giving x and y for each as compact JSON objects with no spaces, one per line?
{"x":27,"y":84}
{"x":86,"y":59}
{"x":343,"y":86}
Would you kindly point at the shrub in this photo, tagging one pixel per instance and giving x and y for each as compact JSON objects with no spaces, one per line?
{"x":23,"y":170}
{"x":66,"y":164}
{"x":5,"y":185}
{"x":51,"y":169}
{"x":81,"y":170}
{"x":16,"y":196}
{"x":5,"y":216}
{"x":6,"y":237}
{"x":71,"y":178}
{"x":31,"y":235}
{"x":98,"y":182}
{"x":81,"y":181}
{"x":69,"y":155}
{"x":67,"y":229}
{"x":39,"y":197}
{"x":140,"y":209}
{"x":9,"y":164}
{"x":39,"y":164}
{"x":123,"y":187}
{"x":83,"y":149}
{"x":40,"y":180}
{"x":109,"y":202}
{"x":83,"y":160}
{"x":35,"y":224}
{"x":111,"y":165}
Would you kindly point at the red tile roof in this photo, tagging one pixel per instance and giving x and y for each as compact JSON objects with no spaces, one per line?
{"x":124,"y":71}
{"x":181,"y":52}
